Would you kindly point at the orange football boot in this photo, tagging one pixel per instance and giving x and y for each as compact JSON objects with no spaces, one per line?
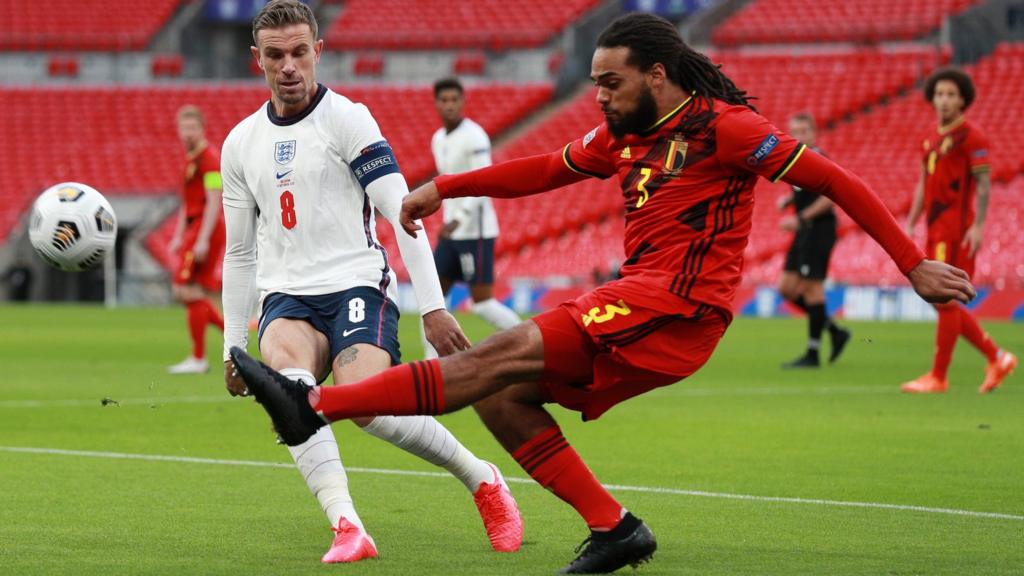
{"x":927,"y":384}
{"x":997,"y":371}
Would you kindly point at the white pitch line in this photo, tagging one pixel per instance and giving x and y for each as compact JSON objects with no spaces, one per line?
{"x":613,"y":487}
{"x":98,"y":403}
{"x":677,"y":390}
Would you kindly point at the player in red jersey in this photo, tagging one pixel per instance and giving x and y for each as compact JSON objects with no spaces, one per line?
{"x":687,"y":149}
{"x":953,"y":191}
{"x":198,"y":238}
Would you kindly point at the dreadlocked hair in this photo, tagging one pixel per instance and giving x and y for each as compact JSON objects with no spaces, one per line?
{"x":652,"y":39}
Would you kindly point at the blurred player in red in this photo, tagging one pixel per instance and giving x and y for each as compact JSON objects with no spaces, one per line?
{"x":953,"y":192}
{"x":198,"y":240}
{"x":688,"y":149}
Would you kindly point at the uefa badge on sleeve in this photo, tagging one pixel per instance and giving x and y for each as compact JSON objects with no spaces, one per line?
{"x":284,"y":152}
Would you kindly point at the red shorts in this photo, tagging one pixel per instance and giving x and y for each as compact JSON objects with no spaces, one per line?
{"x":608,"y":346}
{"x":208,"y":272}
{"x":952,"y":252}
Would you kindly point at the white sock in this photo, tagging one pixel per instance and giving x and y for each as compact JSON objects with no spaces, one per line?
{"x":425,"y":437}
{"x":429,"y":353}
{"x":496,"y":314}
{"x":319,"y":463}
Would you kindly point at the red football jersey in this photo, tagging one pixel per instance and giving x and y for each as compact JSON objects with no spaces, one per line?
{"x":687,"y":185}
{"x":201,"y":167}
{"x":952,"y":157}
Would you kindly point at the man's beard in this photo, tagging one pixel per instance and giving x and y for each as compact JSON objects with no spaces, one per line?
{"x":645,"y":115}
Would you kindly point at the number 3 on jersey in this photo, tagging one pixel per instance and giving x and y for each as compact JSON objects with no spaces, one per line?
{"x":287,"y":210}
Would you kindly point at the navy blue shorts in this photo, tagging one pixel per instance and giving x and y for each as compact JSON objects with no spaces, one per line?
{"x":471,"y":261}
{"x":357,"y":315}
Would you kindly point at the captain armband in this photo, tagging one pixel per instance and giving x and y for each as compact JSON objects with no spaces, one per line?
{"x":374,"y":161}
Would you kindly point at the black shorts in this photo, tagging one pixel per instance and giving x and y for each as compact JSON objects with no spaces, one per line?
{"x":357,"y":315}
{"x":471,"y":261}
{"x":811,"y":248}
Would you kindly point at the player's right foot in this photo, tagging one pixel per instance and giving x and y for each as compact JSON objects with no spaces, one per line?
{"x":927,"y":384}
{"x":350,"y":544}
{"x":840,"y":338}
{"x":997,"y":371}
{"x":806,"y":361}
{"x":500,"y":513}
{"x":190,"y":365}
{"x":285,"y":400}
{"x":630,"y":543}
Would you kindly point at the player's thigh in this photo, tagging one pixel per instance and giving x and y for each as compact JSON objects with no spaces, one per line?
{"x":481,"y":292}
{"x":190,"y":292}
{"x":294,"y":343}
{"x":359,"y":361}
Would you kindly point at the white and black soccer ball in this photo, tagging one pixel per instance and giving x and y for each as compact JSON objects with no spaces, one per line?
{"x":72,"y":226}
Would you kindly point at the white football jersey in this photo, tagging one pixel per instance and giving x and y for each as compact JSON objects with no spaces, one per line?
{"x":315,"y":231}
{"x":466,"y":148}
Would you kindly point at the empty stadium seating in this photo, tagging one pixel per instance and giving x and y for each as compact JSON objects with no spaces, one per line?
{"x":830,"y":85}
{"x":786,"y":21}
{"x":441,"y":24}
{"x":122,"y":140}
{"x":100,"y":25}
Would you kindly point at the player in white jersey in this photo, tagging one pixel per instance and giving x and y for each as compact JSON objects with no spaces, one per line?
{"x":302,"y":177}
{"x":465,"y":245}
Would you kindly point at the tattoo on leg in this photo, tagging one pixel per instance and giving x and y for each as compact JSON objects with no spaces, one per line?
{"x":348,"y":355}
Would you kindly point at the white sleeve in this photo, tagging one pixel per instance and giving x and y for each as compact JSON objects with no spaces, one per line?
{"x":358,"y":131}
{"x":386,"y":193}
{"x":239,"y":272}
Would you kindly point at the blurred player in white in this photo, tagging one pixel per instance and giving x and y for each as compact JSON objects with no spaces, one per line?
{"x":302,"y":177}
{"x":465,"y":245}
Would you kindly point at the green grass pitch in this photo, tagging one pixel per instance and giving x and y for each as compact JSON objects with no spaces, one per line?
{"x":723,"y":444}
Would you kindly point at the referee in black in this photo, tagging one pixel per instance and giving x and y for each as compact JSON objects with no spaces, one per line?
{"x":803,"y":278}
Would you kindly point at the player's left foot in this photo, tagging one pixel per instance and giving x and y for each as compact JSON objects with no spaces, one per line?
{"x":285,"y":400}
{"x":997,"y":371}
{"x":190,"y":365}
{"x":927,"y":384}
{"x":630,"y":543}
{"x":350,"y":544}
{"x":808,"y":360}
{"x":840,"y":338}
{"x":500,"y":513}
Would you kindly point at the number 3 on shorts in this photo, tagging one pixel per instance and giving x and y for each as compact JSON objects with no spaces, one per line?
{"x":356,"y":310}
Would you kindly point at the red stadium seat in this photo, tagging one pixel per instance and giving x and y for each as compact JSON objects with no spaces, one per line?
{"x":434,"y":24}
{"x":801,"y":21}
{"x":65,"y":25}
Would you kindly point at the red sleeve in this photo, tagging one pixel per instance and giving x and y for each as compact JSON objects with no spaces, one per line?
{"x":511,"y":179}
{"x":589,"y":155}
{"x":813,"y":172}
{"x":209,"y":161}
{"x":747,"y":141}
{"x":581,"y":159}
{"x":977,"y":150}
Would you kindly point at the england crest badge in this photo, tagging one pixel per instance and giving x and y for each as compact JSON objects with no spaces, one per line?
{"x":284,"y":152}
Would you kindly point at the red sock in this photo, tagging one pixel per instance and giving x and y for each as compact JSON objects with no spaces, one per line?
{"x":403,"y":390}
{"x":947,"y":332}
{"x":972,"y":331}
{"x":196,"y":313}
{"x":548,"y":459}
{"x":213,"y":315}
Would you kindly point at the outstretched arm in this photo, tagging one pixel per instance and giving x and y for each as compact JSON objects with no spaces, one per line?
{"x":933,"y":281}
{"x":512,"y":179}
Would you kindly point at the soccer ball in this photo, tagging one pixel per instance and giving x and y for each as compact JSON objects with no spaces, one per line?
{"x":72,"y":226}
